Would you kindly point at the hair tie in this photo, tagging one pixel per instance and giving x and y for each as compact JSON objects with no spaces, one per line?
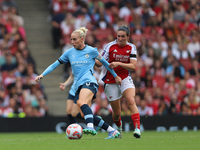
{"x":123,"y":28}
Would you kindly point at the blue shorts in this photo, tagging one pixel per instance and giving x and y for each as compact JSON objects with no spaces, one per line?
{"x":91,"y":86}
{"x":71,"y":97}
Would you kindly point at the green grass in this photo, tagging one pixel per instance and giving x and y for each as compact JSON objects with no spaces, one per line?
{"x":150,"y":140}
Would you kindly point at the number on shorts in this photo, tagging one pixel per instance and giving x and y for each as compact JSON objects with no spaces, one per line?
{"x":131,"y":81}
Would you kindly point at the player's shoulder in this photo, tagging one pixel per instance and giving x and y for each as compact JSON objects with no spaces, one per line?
{"x":110,"y":44}
{"x":132,"y":45}
{"x":88,"y":47}
{"x":69,"y":50}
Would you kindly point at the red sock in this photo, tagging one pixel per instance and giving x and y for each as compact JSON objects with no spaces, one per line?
{"x":117,"y":122}
{"x":136,"y":120}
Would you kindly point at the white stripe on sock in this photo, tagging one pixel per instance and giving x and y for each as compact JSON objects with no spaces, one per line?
{"x":110,"y":129}
{"x":91,"y":125}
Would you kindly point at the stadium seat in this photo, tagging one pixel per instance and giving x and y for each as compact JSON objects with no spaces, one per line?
{"x":158,"y":81}
{"x":67,"y":38}
{"x":177,"y":23}
{"x":136,"y":37}
{"x":101,"y":34}
{"x":146,"y":30}
{"x":187,"y":64}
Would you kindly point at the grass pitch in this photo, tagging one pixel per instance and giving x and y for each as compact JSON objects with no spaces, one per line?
{"x":150,"y":140}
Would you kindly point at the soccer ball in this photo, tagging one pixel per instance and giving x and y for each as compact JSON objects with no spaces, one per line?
{"x":74,"y":131}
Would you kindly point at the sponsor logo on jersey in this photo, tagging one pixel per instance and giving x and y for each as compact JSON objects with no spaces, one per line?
{"x":115,"y":50}
{"x":123,"y":58}
{"x":86,"y":55}
{"x":79,"y":62}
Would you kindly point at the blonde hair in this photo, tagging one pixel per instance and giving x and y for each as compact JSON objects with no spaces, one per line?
{"x":82,"y":31}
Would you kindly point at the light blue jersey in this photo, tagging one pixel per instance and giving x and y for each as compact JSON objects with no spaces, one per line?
{"x":72,"y":90}
{"x":82,"y":64}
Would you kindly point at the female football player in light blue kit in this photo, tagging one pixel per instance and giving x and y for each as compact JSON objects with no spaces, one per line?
{"x":82,"y":59}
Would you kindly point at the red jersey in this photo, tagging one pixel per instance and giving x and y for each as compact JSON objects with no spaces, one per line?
{"x":115,"y":53}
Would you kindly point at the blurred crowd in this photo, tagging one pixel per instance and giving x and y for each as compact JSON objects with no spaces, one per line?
{"x":167,"y":36}
{"x":20,"y":96}
{"x":165,"y":32}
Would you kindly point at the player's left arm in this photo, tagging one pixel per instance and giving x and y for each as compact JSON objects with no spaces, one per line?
{"x":129,"y":66}
{"x":105,"y":55}
{"x":67,"y":82}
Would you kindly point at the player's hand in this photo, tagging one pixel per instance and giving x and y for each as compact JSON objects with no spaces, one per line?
{"x":118,"y":80}
{"x":62,"y":86}
{"x":37,"y":79}
{"x":113,"y":64}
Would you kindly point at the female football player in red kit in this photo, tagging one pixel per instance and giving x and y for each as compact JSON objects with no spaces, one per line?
{"x":122,"y":57}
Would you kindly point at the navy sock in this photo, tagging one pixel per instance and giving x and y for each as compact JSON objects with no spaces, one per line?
{"x":88,"y":116}
{"x":100,"y":123}
{"x":71,"y":119}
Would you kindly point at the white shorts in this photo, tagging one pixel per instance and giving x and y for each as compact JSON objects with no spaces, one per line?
{"x":115,"y":91}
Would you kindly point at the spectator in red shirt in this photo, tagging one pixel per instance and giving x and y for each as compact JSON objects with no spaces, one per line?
{"x":192,"y":100}
{"x":187,"y":25}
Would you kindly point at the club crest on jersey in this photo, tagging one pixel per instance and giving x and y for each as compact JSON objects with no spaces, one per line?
{"x":115,"y":50}
{"x":86,"y":55}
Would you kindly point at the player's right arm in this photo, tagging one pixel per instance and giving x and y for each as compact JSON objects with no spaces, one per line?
{"x":63,"y":59}
{"x":67,"y":82}
{"x":48,"y":70}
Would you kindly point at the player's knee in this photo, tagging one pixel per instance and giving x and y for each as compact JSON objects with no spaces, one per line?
{"x":80,"y":102}
{"x":68,"y":111}
{"x":74,"y":114}
{"x":131,"y":101}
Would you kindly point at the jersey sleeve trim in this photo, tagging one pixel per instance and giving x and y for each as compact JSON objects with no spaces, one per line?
{"x":60,"y":61}
{"x":133,"y":56}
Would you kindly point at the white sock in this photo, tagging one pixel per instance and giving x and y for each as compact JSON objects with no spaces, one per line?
{"x":91,"y":125}
{"x":110,"y":129}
